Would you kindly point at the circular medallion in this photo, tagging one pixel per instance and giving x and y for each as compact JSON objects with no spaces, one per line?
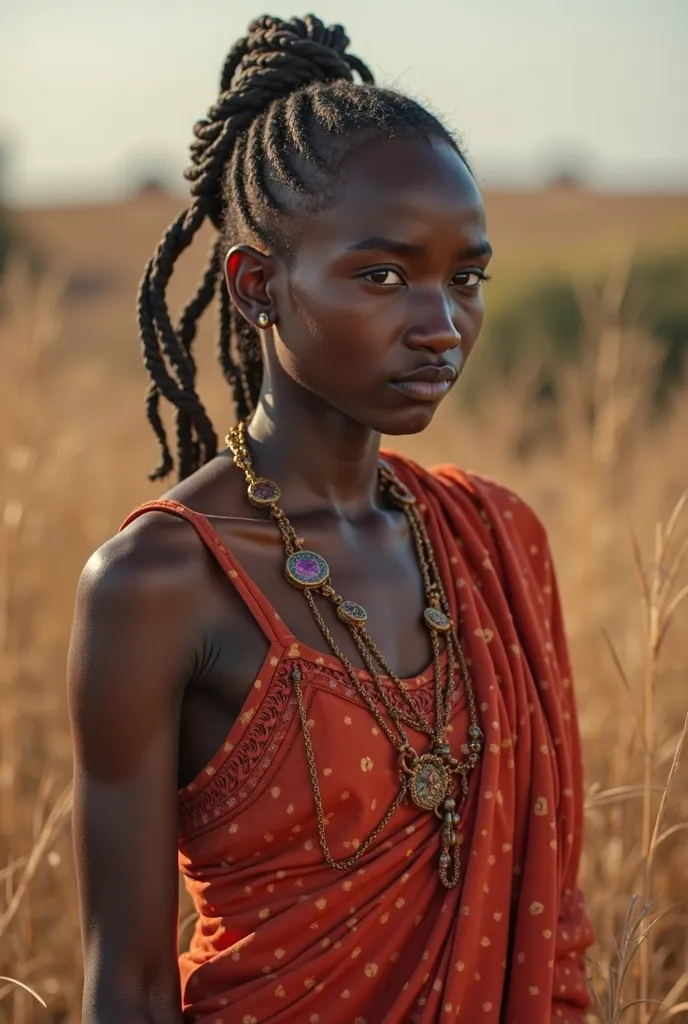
{"x":475,"y":732}
{"x":352,"y":613}
{"x":263,"y":492}
{"x":429,"y":782}
{"x":437,"y":620}
{"x":307,"y":569}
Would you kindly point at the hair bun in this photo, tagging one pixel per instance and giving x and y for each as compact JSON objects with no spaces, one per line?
{"x":293,"y":53}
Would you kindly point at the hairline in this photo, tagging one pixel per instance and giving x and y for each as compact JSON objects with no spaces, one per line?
{"x":302,"y":207}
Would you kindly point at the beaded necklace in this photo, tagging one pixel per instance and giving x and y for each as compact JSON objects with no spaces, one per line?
{"x":426,"y":777}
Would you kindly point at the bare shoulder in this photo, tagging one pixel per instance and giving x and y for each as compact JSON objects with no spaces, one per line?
{"x":159,"y":549}
{"x":157,"y":569}
{"x":135,"y":630}
{"x":146,"y":589}
{"x":157,"y":554}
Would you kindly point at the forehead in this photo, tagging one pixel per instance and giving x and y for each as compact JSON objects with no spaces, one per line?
{"x":414,"y":186}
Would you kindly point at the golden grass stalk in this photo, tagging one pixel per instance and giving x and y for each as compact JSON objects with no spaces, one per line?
{"x":636,"y":942}
{"x":58,"y":813}
{"x":13,"y":982}
{"x":29,"y":330}
{"x":615,"y":401}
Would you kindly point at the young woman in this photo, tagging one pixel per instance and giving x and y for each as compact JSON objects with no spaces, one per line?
{"x":334,"y":685}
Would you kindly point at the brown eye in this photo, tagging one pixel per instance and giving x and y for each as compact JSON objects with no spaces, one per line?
{"x":470,"y":278}
{"x":383,"y":277}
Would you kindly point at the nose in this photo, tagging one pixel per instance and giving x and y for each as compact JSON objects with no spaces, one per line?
{"x":434,"y":326}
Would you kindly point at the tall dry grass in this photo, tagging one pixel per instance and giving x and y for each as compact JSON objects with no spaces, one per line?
{"x":74,"y":449}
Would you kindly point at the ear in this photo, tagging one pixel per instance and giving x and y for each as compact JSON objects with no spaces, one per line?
{"x":249,"y":273}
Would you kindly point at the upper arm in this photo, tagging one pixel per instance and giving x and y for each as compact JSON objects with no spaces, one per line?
{"x":128,"y":653}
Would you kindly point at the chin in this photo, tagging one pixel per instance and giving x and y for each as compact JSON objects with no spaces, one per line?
{"x":408,"y":421}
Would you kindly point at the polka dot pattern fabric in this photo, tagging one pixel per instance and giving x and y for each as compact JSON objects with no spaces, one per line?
{"x":283,"y":938}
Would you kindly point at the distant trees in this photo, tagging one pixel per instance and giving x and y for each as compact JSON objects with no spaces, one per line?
{"x":550,"y":324}
{"x":5,"y":230}
{"x":657,"y":297}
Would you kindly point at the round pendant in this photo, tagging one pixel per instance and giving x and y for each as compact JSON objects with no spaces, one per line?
{"x":352,"y":613}
{"x":437,"y":620}
{"x":429,"y":782}
{"x":263,"y":492}
{"x":306,"y":569}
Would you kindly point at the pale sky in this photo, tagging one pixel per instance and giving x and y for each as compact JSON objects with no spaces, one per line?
{"x":92,"y":93}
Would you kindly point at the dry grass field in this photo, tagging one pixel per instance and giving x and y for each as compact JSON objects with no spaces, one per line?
{"x":74,"y":451}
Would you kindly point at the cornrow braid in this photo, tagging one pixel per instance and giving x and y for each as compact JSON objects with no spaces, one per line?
{"x":288,"y":112}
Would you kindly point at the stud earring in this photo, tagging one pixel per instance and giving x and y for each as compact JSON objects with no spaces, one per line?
{"x":263,"y":320}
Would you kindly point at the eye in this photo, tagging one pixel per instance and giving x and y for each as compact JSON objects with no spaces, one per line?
{"x":383,"y":276}
{"x":470,"y":278}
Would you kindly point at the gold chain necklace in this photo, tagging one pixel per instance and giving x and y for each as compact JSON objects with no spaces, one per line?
{"x":427,"y":777}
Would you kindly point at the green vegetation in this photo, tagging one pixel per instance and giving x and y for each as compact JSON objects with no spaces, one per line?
{"x":544,"y":327}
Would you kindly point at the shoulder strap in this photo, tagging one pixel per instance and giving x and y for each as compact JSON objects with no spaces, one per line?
{"x":255,"y":600}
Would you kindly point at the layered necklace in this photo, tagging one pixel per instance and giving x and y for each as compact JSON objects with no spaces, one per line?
{"x":428,"y":777}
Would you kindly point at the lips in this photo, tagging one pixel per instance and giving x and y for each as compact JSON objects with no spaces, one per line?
{"x":427,"y":383}
{"x":431,"y":374}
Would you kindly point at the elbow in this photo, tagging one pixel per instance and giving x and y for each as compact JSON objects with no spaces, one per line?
{"x":129,"y":990}
{"x":119,"y":1014}
{"x":129,"y":1009}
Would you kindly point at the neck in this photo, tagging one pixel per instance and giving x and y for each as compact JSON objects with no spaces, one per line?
{"x":320,"y":458}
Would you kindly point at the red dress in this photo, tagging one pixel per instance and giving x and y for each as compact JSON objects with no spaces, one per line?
{"x":284,"y":938}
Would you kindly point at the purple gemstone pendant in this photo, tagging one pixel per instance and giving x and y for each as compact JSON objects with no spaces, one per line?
{"x":306,"y":569}
{"x":352,"y":613}
{"x":436,"y":620}
{"x":263,"y":492}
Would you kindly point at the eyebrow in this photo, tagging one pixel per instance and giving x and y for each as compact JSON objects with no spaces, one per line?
{"x":378,"y":243}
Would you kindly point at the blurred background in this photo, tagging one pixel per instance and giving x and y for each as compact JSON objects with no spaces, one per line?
{"x":575,"y":118}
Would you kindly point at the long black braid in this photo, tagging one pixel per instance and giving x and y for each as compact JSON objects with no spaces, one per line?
{"x":288,"y":112}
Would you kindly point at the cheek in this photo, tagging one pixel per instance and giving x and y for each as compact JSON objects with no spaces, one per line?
{"x":473,"y":322}
{"x":331,"y":314}
{"x":317,"y":342}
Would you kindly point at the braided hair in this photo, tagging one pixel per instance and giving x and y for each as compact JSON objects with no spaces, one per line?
{"x":288,"y":114}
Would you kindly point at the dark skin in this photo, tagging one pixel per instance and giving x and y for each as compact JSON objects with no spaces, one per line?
{"x":163,"y":651}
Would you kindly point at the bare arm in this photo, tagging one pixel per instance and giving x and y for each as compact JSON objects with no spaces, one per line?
{"x":128,"y":658}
